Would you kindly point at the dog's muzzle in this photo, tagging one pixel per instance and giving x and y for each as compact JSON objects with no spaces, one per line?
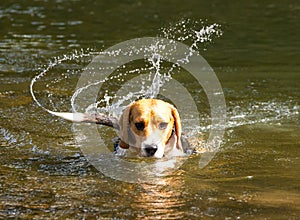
{"x":150,"y":150}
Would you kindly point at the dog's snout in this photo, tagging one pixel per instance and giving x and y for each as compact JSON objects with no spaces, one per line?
{"x":150,"y":150}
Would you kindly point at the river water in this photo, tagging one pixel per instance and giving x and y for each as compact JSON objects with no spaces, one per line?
{"x":254,"y":175}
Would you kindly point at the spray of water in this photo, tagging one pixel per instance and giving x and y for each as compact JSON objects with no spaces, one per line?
{"x":196,"y":34}
{"x":53,"y":63}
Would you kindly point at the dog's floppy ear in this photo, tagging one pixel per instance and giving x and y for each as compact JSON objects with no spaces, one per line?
{"x":126,"y":135}
{"x":177,"y":123}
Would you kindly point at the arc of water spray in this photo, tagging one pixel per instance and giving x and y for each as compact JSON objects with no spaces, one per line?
{"x":72,"y":116}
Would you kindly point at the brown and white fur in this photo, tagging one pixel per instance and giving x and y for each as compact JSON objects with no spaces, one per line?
{"x":152,"y":127}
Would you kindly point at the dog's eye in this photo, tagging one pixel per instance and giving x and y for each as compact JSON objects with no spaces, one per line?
{"x":162,"y":125}
{"x":140,"y":125}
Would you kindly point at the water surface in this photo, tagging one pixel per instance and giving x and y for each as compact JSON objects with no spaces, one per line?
{"x":256,"y":175}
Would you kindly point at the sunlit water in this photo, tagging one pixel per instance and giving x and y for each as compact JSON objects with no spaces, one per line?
{"x":43,"y":173}
{"x":155,"y":75}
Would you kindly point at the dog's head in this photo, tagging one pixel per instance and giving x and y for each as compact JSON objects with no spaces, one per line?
{"x":152,"y":126}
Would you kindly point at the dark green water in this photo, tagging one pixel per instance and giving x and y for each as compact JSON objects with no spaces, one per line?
{"x":256,"y":175}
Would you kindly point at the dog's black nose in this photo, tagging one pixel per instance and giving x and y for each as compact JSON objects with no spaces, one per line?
{"x":150,"y":150}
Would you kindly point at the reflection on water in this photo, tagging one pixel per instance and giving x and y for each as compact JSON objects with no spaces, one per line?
{"x":43,"y":173}
{"x":162,"y":201}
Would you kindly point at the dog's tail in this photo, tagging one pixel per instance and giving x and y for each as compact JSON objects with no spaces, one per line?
{"x":78,"y":117}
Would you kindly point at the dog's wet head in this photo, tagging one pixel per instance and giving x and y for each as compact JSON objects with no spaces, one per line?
{"x":152,"y":126}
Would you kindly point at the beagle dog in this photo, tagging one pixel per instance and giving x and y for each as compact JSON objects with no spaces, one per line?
{"x":152,"y":127}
